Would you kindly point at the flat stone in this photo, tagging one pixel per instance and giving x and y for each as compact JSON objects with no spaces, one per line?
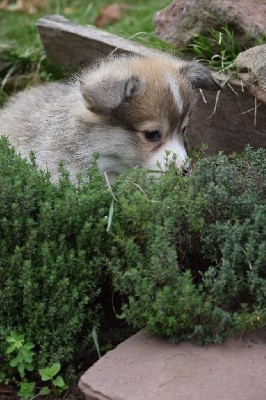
{"x":228,"y":121}
{"x":74,"y":46}
{"x":144,"y":367}
{"x":182,"y":19}
{"x":251,"y":66}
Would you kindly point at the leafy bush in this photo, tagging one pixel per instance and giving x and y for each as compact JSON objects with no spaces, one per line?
{"x":52,"y":248}
{"x":190,"y":252}
{"x":185,"y":255}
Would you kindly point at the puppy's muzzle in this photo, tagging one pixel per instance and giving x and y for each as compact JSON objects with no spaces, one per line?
{"x":186,"y":168}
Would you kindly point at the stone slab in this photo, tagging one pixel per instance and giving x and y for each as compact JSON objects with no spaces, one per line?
{"x":239,"y":118}
{"x":147,"y":368}
{"x":75,"y":46}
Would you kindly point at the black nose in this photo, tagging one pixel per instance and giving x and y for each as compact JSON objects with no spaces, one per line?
{"x":186,"y":168}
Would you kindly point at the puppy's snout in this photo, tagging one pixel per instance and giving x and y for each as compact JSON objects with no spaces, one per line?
{"x":186,"y":168}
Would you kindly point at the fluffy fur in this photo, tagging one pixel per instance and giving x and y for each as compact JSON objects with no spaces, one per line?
{"x":129,"y":109}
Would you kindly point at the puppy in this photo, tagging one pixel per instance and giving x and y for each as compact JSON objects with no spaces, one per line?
{"x":131,"y":110}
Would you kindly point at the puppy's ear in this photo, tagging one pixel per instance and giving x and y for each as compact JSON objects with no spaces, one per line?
{"x":199,"y":76}
{"x":108,"y":94}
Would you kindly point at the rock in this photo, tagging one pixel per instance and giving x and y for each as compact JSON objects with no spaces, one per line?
{"x":182,"y":19}
{"x":251,"y":67}
{"x":73,"y":46}
{"x":228,"y":121}
{"x":146,"y":368}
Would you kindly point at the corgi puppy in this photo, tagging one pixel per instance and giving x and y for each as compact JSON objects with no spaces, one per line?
{"x":132,"y":110}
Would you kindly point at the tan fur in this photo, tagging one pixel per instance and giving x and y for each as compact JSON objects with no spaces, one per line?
{"x":108,"y":109}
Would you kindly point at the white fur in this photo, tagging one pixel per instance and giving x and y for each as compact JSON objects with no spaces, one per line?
{"x":160,"y":158}
{"x":171,"y":80}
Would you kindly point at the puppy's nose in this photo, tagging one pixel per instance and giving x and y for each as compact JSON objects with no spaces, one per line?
{"x":186,"y":168}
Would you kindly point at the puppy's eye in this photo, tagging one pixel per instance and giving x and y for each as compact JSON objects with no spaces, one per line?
{"x":153,"y":136}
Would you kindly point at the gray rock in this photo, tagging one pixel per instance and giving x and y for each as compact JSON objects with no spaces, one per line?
{"x":251,"y":67}
{"x":146,"y":368}
{"x":182,"y":19}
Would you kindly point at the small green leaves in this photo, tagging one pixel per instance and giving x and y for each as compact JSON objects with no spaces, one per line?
{"x":24,"y":354}
{"x":44,"y":391}
{"x":49,"y":372}
{"x":16,"y":342}
{"x":59,"y":382}
{"x":22,"y":362}
{"x":26,"y":390}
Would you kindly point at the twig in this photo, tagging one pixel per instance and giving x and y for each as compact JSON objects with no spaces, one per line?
{"x":233,"y":90}
{"x":142,"y":191}
{"x":109,"y":186}
{"x":216,"y":104}
{"x":251,"y":109}
{"x":203,"y":97}
{"x":131,"y":37}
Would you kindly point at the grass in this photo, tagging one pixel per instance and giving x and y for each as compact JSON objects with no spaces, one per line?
{"x":22,"y":59}
{"x":20,"y":27}
{"x":220,"y":48}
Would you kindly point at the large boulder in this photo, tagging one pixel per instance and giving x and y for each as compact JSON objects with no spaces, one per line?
{"x":144,"y":367}
{"x":182,"y":19}
{"x":251,"y":67}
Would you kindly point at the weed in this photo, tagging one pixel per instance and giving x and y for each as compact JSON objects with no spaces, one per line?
{"x":20,"y":355}
{"x":22,"y":352}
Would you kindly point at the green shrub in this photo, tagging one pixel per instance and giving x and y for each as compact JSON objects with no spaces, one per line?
{"x":185,"y":255}
{"x":52,"y":249}
{"x":190,"y":253}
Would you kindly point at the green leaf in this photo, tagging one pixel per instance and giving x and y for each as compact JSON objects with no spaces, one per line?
{"x":10,"y":349}
{"x":59,"y":381}
{"x":26,"y":390}
{"x":14,"y":362}
{"x":29,"y":367}
{"x":44,"y":375}
{"x":49,"y":372}
{"x":110,"y":216}
{"x":20,"y":357}
{"x":29,"y":345}
{"x":44,"y":391}
{"x":21,"y":370}
{"x":95,"y":340}
{"x":26,"y":354}
{"x":15,"y":339}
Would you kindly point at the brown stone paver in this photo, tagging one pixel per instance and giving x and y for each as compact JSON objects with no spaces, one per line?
{"x":147,"y":368}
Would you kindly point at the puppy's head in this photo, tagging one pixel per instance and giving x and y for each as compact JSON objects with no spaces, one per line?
{"x":143,"y":104}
